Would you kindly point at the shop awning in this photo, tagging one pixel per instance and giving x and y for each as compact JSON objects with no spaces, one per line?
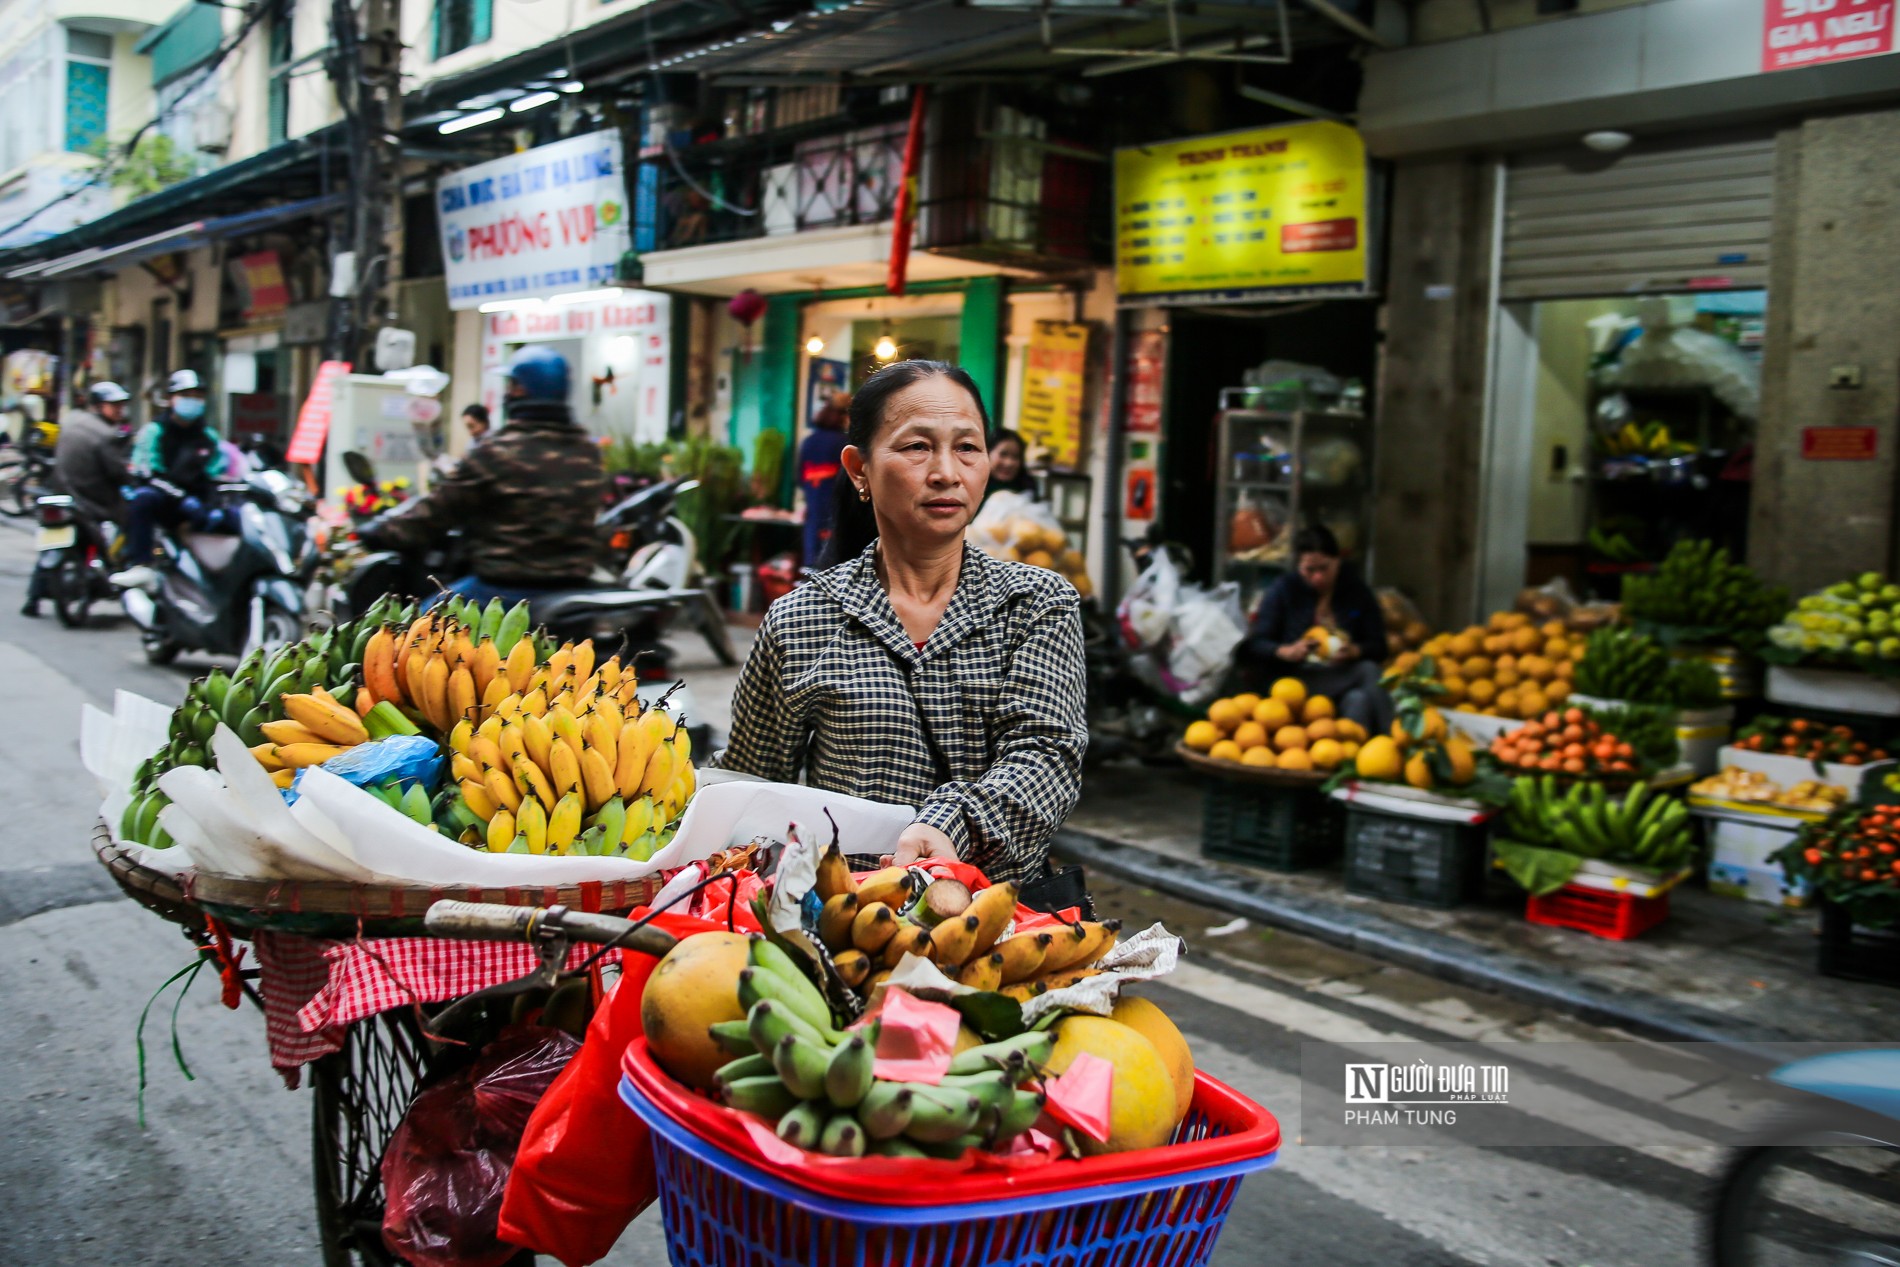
{"x":182,"y":238}
{"x":901,"y":41}
{"x":817,"y":259}
{"x":302,"y":169}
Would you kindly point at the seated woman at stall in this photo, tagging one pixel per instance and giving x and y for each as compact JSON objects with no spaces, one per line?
{"x":1321,"y":592}
{"x":915,"y":669}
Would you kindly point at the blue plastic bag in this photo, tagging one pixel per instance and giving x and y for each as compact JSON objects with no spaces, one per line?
{"x":397,"y":759}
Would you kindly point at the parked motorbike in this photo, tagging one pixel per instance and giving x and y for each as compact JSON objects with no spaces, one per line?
{"x":1128,"y":714}
{"x":1824,"y":1184}
{"x":26,"y":468}
{"x":76,"y":556}
{"x":229,"y":594}
{"x":655,"y":586}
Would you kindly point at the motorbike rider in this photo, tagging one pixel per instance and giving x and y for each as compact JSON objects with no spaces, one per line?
{"x":177,"y":462}
{"x":89,"y":465}
{"x":525,"y":498}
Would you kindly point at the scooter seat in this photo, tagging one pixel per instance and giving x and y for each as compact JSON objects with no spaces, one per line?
{"x":213,"y":550}
{"x":567,"y":604}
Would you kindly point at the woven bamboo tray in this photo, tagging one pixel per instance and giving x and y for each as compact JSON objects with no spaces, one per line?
{"x":1234,"y":772}
{"x":154,"y":890}
{"x":321,"y":908}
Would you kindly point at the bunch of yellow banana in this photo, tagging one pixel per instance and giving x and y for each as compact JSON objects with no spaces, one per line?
{"x":562,"y":758}
{"x":316,"y":727}
{"x":869,"y":925}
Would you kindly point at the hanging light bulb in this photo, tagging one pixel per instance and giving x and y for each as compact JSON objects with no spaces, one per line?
{"x":886,"y":349}
{"x":814,"y":345}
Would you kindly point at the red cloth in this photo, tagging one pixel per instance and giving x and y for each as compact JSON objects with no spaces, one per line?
{"x":585,"y":1166}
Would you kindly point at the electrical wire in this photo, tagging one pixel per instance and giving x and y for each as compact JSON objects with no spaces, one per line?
{"x":106,"y":167}
{"x":666,"y":142}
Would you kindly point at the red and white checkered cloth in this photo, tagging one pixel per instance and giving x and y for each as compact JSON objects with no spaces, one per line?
{"x":315,"y":989}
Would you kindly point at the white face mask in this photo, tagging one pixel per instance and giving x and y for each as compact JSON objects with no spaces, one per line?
{"x":190,"y":408}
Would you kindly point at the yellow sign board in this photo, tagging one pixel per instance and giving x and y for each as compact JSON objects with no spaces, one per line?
{"x":1051,"y":416}
{"x":1265,"y":209}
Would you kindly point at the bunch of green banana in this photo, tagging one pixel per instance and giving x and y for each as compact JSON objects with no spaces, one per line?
{"x":1699,"y":586}
{"x":1622,"y":664}
{"x":1642,"y":826}
{"x":791,"y":1066}
{"x":248,"y":698}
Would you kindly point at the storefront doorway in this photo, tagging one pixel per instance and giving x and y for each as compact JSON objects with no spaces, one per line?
{"x":1256,"y":347}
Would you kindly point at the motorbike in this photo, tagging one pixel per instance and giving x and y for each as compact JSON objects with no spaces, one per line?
{"x":655,"y":586}
{"x":76,"y":556}
{"x":26,"y":468}
{"x":1823,"y":1184}
{"x":229,"y":594}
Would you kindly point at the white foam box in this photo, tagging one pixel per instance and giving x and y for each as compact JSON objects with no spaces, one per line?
{"x":1739,"y":846}
{"x":1411,"y":802}
{"x":1835,"y":690}
{"x":1788,"y":771}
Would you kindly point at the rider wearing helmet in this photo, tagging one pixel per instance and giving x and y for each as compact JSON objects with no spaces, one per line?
{"x":177,"y":461}
{"x":89,"y":464}
{"x":525,"y":498}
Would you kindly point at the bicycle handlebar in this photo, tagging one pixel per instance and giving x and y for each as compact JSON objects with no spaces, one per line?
{"x":481,"y":921}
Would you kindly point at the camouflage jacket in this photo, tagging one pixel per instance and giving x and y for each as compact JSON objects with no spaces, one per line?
{"x":525,"y":500}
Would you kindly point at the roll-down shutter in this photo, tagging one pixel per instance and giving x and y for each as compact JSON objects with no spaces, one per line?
{"x":1647,"y":220}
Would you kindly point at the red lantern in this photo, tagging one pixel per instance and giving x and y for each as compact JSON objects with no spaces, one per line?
{"x":747,"y":306}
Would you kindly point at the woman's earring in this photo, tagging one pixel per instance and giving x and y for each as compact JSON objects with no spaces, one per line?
{"x":864,"y":494}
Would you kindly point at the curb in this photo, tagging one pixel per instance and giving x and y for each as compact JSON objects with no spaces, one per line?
{"x":1448,"y":958}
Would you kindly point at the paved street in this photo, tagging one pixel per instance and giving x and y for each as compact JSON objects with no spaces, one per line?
{"x":219,"y":1173}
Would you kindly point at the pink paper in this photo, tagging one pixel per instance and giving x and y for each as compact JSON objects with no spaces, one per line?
{"x":770,"y":1146}
{"x":1082,"y":1095}
{"x":916,"y":1038}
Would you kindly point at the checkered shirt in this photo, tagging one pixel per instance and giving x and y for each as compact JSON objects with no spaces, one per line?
{"x":835,"y":687}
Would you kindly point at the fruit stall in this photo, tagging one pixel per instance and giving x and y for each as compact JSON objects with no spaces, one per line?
{"x":398,"y":839}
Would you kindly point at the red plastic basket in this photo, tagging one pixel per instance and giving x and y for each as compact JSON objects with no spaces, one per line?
{"x":724,"y":1205}
{"x":1599,"y":912}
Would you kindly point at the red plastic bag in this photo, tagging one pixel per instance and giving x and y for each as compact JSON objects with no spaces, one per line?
{"x":448,"y":1160}
{"x":585,"y":1166}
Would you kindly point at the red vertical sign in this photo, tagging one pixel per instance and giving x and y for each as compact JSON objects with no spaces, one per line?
{"x":313,"y":420}
{"x":1798,"y":33}
{"x":905,"y":213}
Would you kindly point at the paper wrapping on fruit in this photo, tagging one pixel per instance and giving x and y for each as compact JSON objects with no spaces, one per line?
{"x":1015,"y":526}
{"x":456,"y":747}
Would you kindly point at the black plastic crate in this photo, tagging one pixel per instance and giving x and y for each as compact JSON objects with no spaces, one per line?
{"x":1281,"y":828}
{"x":1418,"y":860}
{"x":1856,"y":954}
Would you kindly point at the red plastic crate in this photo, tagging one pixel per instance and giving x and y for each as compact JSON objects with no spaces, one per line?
{"x":1599,"y":912}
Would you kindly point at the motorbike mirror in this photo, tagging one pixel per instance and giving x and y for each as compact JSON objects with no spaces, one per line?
{"x":361,"y":469}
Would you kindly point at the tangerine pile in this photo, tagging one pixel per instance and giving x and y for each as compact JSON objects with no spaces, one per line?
{"x":1564,"y":743}
{"x":1509,"y":667}
{"x":1286,"y":730}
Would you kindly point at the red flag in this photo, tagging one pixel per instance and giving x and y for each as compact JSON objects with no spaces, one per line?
{"x":906,"y":210}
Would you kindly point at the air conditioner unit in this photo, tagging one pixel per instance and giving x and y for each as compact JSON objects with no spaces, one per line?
{"x":211,"y":128}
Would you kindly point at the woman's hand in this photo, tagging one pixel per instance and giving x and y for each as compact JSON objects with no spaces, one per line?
{"x":1347,"y":653}
{"x":920,"y":841}
{"x":1295,"y":651}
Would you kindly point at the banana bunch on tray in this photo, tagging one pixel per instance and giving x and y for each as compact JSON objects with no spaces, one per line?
{"x":870,"y":925}
{"x":818,"y":1084}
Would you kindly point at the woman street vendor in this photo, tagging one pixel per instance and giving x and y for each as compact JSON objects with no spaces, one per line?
{"x":916,"y":670}
{"x":1321,"y":593}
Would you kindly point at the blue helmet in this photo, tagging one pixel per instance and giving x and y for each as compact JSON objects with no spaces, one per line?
{"x":540,"y":372}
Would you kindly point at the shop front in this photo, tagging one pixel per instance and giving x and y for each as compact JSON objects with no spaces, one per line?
{"x":1245,"y":265}
{"x":1633,"y":297}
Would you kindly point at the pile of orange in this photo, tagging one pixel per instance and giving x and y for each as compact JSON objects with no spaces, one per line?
{"x":1509,"y":667}
{"x":1285,"y":730}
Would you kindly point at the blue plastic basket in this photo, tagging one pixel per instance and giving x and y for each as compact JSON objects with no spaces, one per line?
{"x":722,"y":1211}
